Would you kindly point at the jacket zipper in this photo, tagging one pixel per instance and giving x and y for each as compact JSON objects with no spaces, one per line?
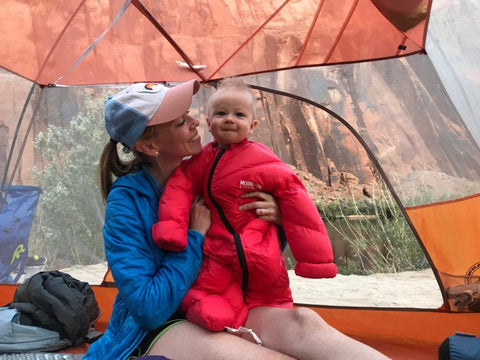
{"x":236,"y":237}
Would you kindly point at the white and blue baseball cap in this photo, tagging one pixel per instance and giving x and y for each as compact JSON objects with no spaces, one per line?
{"x":129,"y":112}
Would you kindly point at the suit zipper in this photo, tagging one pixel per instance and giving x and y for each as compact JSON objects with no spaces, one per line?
{"x":236,"y":237}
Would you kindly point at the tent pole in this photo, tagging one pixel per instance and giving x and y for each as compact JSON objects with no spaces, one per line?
{"x":374,"y":161}
{"x":6,"y":183}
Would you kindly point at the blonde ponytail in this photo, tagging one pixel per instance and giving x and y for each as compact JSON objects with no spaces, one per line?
{"x":112,"y":166}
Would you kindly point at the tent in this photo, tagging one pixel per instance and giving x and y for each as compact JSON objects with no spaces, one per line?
{"x":369,"y":97}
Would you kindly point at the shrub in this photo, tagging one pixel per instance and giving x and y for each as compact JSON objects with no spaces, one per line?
{"x":69,"y":219}
{"x":377,"y":235}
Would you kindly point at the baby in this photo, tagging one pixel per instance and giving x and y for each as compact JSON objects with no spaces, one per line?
{"x":243,"y":266}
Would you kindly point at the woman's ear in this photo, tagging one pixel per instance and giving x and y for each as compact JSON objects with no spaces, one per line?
{"x":146,"y":147}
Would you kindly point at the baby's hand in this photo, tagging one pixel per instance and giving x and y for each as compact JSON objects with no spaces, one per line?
{"x":200,"y":219}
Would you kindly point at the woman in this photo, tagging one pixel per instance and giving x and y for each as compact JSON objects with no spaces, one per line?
{"x":153,"y":122}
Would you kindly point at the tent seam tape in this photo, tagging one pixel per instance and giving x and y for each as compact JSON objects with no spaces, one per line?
{"x":97,"y":40}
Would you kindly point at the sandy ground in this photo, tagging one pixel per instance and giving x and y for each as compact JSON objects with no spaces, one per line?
{"x":416,"y":289}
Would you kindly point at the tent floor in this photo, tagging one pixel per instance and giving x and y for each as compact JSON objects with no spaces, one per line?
{"x":395,"y":352}
{"x":404,"y":352}
{"x":41,"y":356}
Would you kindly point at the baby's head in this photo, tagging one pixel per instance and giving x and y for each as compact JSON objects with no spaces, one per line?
{"x":231,"y":115}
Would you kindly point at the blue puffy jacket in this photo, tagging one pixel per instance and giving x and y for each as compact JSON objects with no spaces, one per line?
{"x":151,"y":281}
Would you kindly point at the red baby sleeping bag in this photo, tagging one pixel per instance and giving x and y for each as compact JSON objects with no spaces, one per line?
{"x":243,"y":266}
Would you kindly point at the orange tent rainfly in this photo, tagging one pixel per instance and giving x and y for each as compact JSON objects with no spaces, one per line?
{"x":90,"y":42}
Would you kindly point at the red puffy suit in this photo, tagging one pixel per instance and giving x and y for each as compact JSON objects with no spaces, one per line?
{"x":243,"y":266}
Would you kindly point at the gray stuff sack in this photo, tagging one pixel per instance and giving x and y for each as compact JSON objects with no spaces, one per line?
{"x":18,"y":338}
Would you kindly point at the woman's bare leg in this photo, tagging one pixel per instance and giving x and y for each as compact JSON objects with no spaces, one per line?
{"x":303,"y":334}
{"x":187,"y":341}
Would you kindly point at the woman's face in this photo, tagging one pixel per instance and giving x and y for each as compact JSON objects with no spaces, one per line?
{"x":178,"y":138}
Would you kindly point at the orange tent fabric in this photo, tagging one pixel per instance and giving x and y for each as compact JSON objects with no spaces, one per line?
{"x":402,"y":334}
{"x":81,"y":42}
{"x":448,"y":228}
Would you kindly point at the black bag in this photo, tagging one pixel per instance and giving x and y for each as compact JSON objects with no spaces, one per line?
{"x":56,"y":301}
{"x":460,"y":346}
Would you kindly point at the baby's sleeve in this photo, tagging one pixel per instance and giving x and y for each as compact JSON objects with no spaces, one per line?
{"x":170,"y":231}
{"x":304,"y":228}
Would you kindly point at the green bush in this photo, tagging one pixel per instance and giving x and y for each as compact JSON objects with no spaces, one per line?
{"x":376,"y":234}
{"x":69,"y":219}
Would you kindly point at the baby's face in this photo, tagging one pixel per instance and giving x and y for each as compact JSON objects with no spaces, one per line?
{"x":231,"y":116}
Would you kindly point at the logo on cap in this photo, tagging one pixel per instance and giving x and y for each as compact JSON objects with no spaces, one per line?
{"x":149,"y":88}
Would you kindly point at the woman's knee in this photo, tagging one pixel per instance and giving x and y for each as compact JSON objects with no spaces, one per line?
{"x":304,"y":317}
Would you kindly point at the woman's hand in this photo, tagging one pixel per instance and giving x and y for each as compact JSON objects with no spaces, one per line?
{"x":265,"y":206}
{"x":200,"y":219}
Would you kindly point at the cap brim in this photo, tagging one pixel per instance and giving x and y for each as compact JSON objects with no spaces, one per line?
{"x":176,"y":102}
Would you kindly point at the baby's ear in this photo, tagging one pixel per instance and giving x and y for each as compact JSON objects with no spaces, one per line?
{"x":208,"y":123}
{"x":253,"y":125}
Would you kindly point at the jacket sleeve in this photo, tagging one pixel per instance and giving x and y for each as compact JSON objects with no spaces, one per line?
{"x":170,"y":232}
{"x":151,"y":282}
{"x":304,"y":229}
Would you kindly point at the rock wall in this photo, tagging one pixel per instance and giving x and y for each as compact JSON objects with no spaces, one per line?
{"x":396,"y":109}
